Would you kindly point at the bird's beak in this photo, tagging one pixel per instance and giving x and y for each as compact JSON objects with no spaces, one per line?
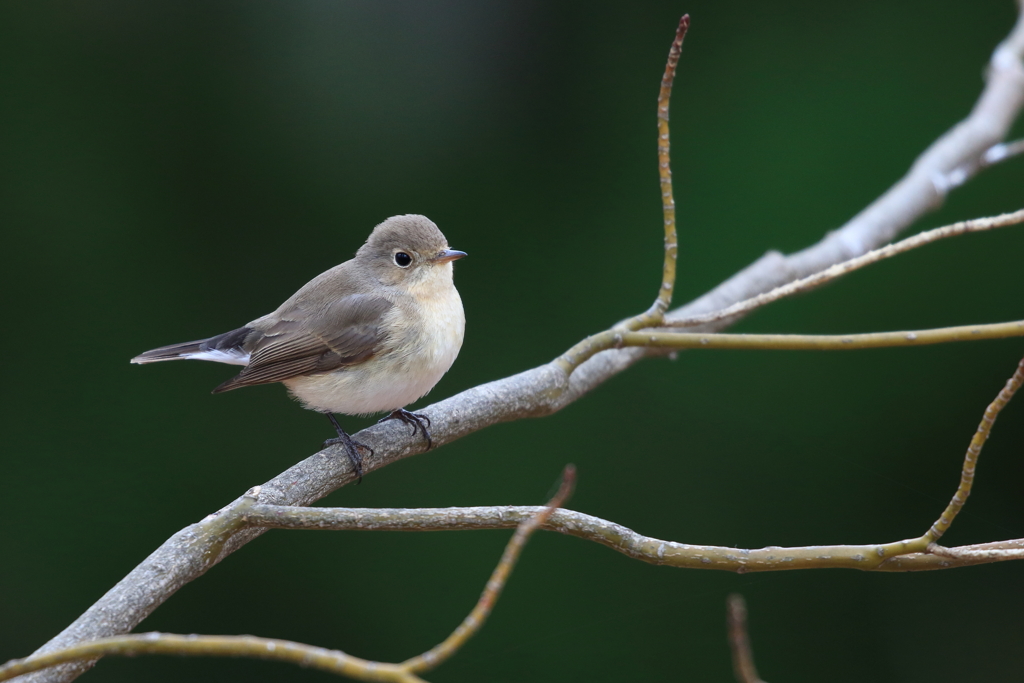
{"x":448,"y":255}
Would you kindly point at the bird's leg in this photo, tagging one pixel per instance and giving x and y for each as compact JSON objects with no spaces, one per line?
{"x":417,"y":420}
{"x":351,"y":447}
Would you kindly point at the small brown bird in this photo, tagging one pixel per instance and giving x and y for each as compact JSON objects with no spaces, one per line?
{"x":370,"y":335}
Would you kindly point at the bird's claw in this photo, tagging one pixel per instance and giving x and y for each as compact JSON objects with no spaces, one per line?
{"x":415,"y":420}
{"x":351,"y":448}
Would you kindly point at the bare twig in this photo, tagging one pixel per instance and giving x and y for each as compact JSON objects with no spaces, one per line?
{"x":472,"y":623}
{"x":549,"y":388}
{"x":668,"y":202}
{"x":911,"y":553}
{"x":332,"y":661}
{"x":973,"y":451}
{"x":840,"y":269}
{"x":655,"y":315}
{"x":821,"y":342}
{"x":739,"y":641}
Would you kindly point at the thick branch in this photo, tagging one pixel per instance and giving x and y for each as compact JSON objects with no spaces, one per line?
{"x":548,"y":388}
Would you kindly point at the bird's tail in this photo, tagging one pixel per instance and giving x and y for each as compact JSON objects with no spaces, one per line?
{"x":224,"y":348}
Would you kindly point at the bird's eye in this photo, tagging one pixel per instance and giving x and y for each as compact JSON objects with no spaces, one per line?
{"x":402,"y":260}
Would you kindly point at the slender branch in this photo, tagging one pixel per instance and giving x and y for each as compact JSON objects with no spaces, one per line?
{"x":475,"y":620}
{"x":668,"y":202}
{"x":655,"y":315}
{"x":912,"y":553}
{"x":547,"y":389}
{"x":739,"y":642}
{"x":820,"y":342}
{"x":942,"y":524}
{"x":840,"y":269}
{"x":332,"y":661}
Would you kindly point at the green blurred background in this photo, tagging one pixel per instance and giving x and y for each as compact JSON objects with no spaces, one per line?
{"x":171,"y":170}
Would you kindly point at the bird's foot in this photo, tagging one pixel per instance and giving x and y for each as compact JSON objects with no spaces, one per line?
{"x":351,"y":448}
{"x":416,"y":420}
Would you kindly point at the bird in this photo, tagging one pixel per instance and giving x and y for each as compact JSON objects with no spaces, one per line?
{"x":370,"y":335}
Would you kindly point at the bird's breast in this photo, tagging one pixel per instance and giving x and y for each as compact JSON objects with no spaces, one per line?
{"x":424,"y":330}
{"x":427,"y":334}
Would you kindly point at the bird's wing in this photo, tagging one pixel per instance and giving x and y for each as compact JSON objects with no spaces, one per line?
{"x":299,"y":342}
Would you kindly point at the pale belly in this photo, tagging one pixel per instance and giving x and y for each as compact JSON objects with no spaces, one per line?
{"x":414,"y":362}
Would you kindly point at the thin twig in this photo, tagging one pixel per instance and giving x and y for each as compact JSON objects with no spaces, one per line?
{"x":840,"y":269}
{"x":627,"y":335}
{"x":739,"y":641}
{"x":475,"y":620}
{"x":668,"y":202}
{"x":973,"y":451}
{"x":332,"y":661}
{"x":872,"y":557}
{"x":655,"y":315}
{"x":820,"y":342}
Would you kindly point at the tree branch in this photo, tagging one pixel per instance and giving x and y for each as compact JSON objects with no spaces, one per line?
{"x":944,"y":521}
{"x":870,"y":557}
{"x":475,"y":619}
{"x":820,"y":342}
{"x":668,"y":202}
{"x":840,"y":269}
{"x":923,"y":188}
{"x":548,"y":388}
{"x":332,"y":661}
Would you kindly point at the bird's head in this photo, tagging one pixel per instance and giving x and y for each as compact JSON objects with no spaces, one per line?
{"x":408,"y":250}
